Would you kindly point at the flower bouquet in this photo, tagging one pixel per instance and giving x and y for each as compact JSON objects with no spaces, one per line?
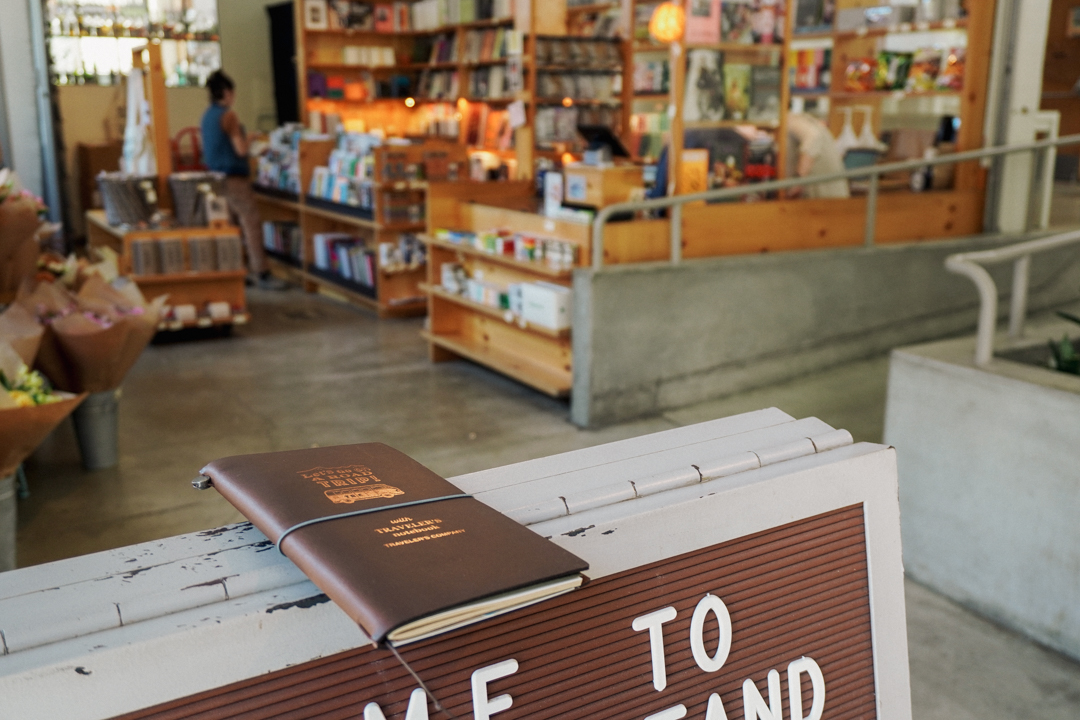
{"x":22,"y":331}
{"x":91,"y":338}
{"x":29,"y":409}
{"x":21,"y":216}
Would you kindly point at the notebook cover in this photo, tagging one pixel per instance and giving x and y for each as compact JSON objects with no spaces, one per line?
{"x":391,"y":567}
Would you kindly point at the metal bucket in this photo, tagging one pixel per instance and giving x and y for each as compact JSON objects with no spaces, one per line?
{"x":7,"y":523}
{"x":97,"y":429}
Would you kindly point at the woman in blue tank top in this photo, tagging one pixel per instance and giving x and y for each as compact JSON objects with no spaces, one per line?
{"x":225,"y":149}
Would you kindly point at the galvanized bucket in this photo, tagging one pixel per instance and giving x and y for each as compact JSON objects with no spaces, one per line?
{"x":97,"y":429}
{"x":7,"y":523}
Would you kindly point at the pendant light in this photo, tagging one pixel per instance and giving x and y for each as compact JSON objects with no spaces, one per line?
{"x":668,"y":22}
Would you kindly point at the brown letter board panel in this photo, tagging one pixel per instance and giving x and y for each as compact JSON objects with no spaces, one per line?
{"x":796,"y":590}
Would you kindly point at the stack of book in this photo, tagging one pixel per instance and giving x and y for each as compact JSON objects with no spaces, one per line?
{"x":439,"y":85}
{"x":346,"y":256}
{"x":443,"y":49}
{"x":488,"y":83}
{"x":283,"y":240}
{"x":434,"y":14}
{"x":485,"y":45}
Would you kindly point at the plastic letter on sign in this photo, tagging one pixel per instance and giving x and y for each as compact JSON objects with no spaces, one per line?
{"x":653,"y":622}
{"x":675,"y":713}
{"x":754,"y":707}
{"x":417,"y":708}
{"x":715,"y":710}
{"x":817,"y":682}
{"x":483,"y":708}
{"x":697,"y":634}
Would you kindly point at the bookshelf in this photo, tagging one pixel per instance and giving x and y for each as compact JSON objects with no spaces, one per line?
{"x":379,"y":277}
{"x":308,"y":258}
{"x":481,"y":324}
{"x":454,"y":69}
{"x":826,"y":52}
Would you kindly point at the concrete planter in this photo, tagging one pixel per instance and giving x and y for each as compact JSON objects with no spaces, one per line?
{"x":989,"y":481}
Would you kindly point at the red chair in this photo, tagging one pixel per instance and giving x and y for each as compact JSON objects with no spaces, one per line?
{"x":189,"y":158}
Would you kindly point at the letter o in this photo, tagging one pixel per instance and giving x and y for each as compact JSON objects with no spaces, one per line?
{"x":697,"y":634}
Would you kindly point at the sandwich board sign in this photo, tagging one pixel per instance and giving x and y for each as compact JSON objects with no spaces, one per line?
{"x":743,"y":569}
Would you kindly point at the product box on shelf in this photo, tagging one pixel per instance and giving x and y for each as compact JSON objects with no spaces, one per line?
{"x":546,"y":304}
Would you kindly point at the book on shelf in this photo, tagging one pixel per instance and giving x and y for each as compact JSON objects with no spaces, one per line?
{"x":765,"y":83}
{"x":752,"y":22}
{"x":404,"y":553}
{"x":736,"y":90}
{"x":814,"y":15}
{"x":694,"y":171}
{"x":703,"y":99}
{"x":384,"y":18}
{"x":703,"y":22}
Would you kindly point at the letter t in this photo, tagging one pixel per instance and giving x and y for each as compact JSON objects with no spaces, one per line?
{"x":653,"y":622}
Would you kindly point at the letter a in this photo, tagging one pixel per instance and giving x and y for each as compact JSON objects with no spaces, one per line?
{"x":794,"y":684}
{"x":715,"y":710}
{"x":754,"y":706}
{"x":417,"y":708}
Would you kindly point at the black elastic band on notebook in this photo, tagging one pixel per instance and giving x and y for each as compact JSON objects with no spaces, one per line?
{"x":423,"y":685}
{"x":354,"y":513}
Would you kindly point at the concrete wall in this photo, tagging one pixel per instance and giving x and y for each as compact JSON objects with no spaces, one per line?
{"x":649,"y":338}
{"x":989,"y":496}
{"x":18,"y":85}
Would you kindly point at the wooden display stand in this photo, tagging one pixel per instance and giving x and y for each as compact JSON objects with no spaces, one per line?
{"x":194,"y":288}
{"x":461,"y":328}
{"x":597,"y":186}
{"x":184,"y":288}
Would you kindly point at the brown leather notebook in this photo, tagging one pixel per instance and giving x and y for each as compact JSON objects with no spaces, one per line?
{"x":402,"y":551}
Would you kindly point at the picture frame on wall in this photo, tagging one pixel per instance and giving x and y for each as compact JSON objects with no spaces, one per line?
{"x":315,"y":15}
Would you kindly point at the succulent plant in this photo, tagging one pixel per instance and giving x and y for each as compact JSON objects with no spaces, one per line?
{"x":1063,"y":354}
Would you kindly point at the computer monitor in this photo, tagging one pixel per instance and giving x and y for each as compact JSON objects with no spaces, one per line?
{"x":598,"y":136}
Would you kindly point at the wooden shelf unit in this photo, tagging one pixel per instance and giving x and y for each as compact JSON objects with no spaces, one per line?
{"x":323,"y":51}
{"x":459,"y":327}
{"x":397,"y":290}
{"x":194,"y":288}
{"x":849,"y":45}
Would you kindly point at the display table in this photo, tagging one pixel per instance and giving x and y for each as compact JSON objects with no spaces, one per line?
{"x":732,"y":563}
{"x":186,"y":287}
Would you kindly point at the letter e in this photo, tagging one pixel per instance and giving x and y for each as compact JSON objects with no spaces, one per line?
{"x":483,"y":708}
{"x":653,"y":622}
{"x":794,"y":684}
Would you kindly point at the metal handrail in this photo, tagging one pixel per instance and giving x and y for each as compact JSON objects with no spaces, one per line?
{"x":970,"y":264}
{"x":873,"y":172}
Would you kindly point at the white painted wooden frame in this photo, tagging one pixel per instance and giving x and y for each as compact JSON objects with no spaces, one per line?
{"x":97,"y":636}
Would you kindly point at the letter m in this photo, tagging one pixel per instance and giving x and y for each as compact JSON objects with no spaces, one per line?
{"x":417,"y":708}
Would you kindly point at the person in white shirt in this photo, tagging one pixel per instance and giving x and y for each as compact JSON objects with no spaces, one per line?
{"x":812,"y":151}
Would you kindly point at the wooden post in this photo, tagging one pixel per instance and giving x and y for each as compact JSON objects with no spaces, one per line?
{"x":159,"y":121}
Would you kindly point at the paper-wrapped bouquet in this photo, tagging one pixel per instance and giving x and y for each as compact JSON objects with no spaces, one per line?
{"x":21,"y":218}
{"x":93,"y":337}
{"x":29,"y":409}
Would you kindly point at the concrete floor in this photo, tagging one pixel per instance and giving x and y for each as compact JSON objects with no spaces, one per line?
{"x":308,"y":371}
